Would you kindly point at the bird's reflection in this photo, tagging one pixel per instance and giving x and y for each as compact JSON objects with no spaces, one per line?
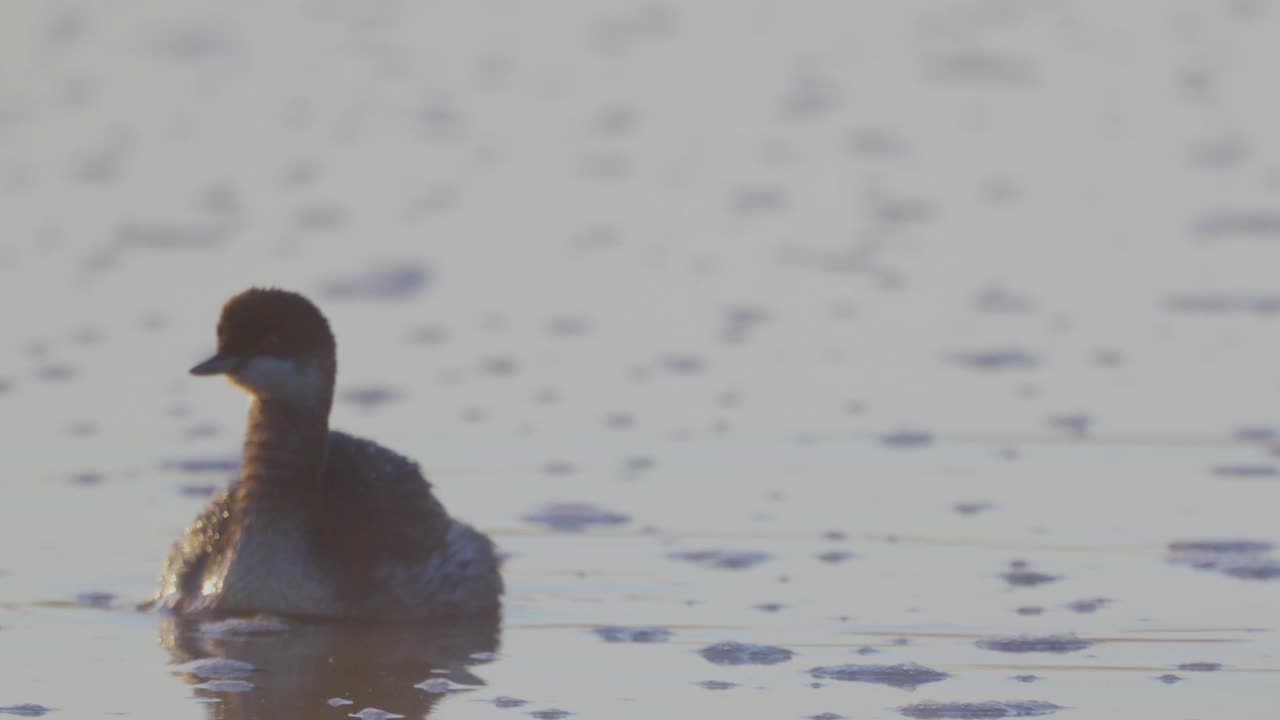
{"x":300,"y":668}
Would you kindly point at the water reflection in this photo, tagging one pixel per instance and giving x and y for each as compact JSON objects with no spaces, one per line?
{"x":298,"y":671}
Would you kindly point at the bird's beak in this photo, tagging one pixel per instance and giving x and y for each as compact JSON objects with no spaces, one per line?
{"x":217,"y":365}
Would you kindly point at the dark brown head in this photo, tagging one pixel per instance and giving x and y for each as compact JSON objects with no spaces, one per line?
{"x":275,"y":344}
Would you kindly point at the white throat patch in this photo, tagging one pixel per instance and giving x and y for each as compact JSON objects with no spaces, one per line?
{"x":267,"y":376}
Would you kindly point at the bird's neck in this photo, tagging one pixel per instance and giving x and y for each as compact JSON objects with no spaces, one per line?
{"x":284,"y":455}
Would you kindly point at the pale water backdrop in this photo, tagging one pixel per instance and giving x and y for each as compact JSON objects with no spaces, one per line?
{"x":928,"y":351}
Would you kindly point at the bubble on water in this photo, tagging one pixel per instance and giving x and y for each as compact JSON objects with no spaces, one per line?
{"x":867,"y":650}
{"x":25,"y":710}
{"x":229,"y":686}
{"x":989,"y":709}
{"x":826,"y":716}
{"x":1029,"y":610}
{"x":907,"y":676}
{"x":505,"y":701}
{"x":339,"y":702}
{"x":575,"y":517}
{"x":723,"y":559}
{"x":238,"y":627}
{"x":1026,"y":678}
{"x":717,"y":685}
{"x":624,"y":634}
{"x":216,"y":668}
{"x":736,"y":653}
{"x":1169,"y":679}
{"x":394,"y":282}
{"x":1200,"y":667}
{"x":371,"y":713}
{"x":1035,"y":643}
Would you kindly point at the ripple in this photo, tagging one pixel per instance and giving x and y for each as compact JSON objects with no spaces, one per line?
{"x":622,"y":634}
{"x":239,"y":627}
{"x":575,"y":517}
{"x":25,"y":710}
{"x":1243,"y":559}
{"x":1200,"y":667}
{"x":999,"y":359}
{"x":1035,"y":643}
{"x":723,"y":559}
{"x":397,"y":282}
{"x":1019,"y":575}
{"x":228,"y":686}
{"x":988,"y":709}
{"x":371,"y":396}
{"x":1088,"y":605}
{"x":551,"y":714}
{"x":441,"y":686}
{"x":717,"y":685}
{"x":907,"y":676}
{"x":907,"y":439}
{"x":1247,"y":471}
{"x":372,"y":713}
{"x":736,"y":653}
{"x":216,"y":668}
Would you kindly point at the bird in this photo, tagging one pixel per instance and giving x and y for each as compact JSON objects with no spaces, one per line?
{"x":319,"y":523}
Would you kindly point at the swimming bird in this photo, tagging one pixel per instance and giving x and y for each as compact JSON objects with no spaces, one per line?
{"x":319,"y":523}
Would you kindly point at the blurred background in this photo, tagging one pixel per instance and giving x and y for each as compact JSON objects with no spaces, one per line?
{"x":947,"y":284}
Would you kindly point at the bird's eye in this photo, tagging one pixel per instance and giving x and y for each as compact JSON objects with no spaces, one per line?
{"x":271,"y":343}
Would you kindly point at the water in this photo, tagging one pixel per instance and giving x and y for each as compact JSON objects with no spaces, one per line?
{"x":900,"y":337}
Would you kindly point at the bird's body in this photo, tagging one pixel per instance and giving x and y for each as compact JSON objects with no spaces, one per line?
{"x":320,"y":523}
